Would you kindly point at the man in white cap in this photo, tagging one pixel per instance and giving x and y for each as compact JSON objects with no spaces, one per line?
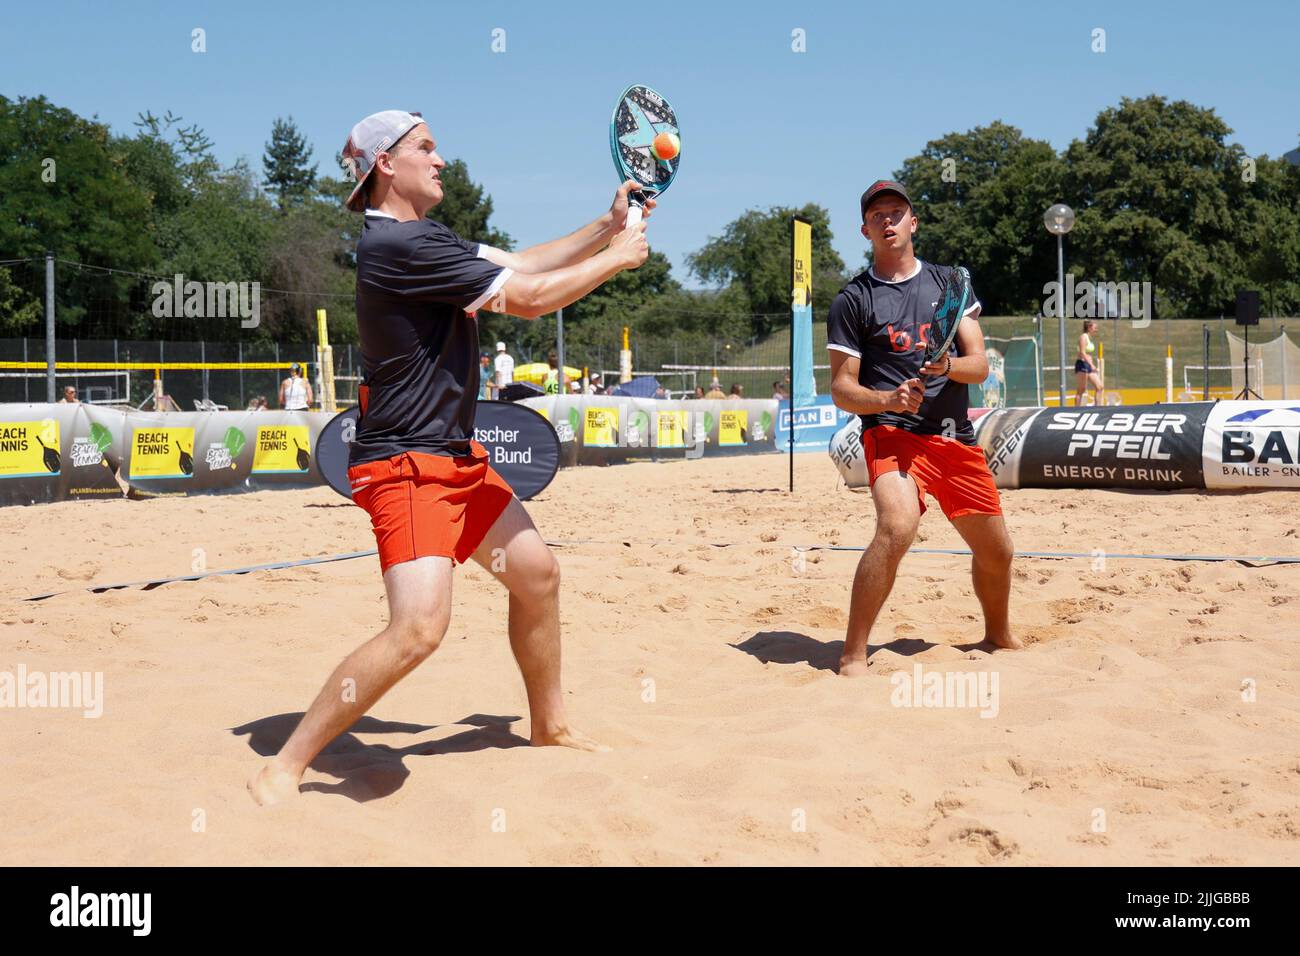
{"x":504,"y":365}
{"x":432,"y":497}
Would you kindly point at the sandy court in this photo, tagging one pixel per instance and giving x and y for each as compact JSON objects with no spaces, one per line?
{"x":1121,"y":735}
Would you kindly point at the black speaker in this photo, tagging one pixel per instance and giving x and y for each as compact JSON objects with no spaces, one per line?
{"x":1247,"y":308}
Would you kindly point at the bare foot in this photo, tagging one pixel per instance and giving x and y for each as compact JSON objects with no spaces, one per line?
{"x":1007,"y":641}
{"x":567,"y":738}
{"x":853,"y":666}
{"x":271,"y":785}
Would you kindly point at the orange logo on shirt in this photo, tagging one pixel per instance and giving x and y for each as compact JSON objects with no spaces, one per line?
{"x":901,"y":341}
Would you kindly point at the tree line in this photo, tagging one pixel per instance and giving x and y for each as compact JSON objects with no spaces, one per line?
{"x":1161,"y":192}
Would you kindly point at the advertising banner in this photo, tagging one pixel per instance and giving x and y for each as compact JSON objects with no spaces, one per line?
{"x":52,"y":452}
{"x":1136,"y":446}
{"x":815,"y":424}
{"x":1252,"y":445}
{"x":184,"y":453}
{"x":608,"y":428}
{"x":521,"y":444}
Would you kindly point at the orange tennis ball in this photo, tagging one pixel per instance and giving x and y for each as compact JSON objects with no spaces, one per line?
{"x":667,"y":145}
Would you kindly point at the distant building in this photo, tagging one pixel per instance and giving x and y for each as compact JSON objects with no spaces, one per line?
{"x":1292,"y":157}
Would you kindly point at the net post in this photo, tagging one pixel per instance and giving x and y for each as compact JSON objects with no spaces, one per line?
{"x":1169,"y":373}
{"x":50,"y":395}
{"x":1205,"y":337}
{"x":1285,"y":357}
{"x":789,"y":437}
{"x":324,"y":363}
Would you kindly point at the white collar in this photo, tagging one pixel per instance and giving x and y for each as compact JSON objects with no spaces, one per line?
{"x":376,"y":214}
{"x":915,"y":273}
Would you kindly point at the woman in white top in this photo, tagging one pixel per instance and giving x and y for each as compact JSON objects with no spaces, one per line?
{"x":295,"y":391}
{"x":1085,"y":372}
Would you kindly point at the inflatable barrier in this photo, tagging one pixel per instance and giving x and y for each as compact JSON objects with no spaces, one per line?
{"x":597,"y":429}
{"x":61,"y":452}
{"x":1163,"y":447}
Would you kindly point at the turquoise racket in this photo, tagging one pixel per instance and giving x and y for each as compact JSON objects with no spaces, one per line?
{"x":640,"y":117}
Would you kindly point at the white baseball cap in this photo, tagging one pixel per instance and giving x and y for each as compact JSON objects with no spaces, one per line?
{"x":501,"y":346}
{"x":373,"y":135}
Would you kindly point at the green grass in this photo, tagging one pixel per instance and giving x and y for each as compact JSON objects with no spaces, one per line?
{"x":1135,"y":358}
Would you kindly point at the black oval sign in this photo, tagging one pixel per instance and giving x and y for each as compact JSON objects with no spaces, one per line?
{"x":521,"y":445}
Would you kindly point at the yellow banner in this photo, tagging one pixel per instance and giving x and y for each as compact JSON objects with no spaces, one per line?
{"x":28,"y":449}
{"x":282,"y":449}
{"x":732,"y":428}
{"x":671,"y":429}
{"x":801,"y":284}
{"x":158,"y":452}
{"x":600,"y":429}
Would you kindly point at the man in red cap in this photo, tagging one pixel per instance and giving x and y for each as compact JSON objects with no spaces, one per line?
{"x":916,"y":434}
{"x":433,"y":498}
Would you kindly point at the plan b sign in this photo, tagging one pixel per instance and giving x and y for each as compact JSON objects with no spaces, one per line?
{"x":814,"y":425}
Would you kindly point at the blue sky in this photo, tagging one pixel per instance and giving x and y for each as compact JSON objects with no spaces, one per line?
{"x":762,"y":125}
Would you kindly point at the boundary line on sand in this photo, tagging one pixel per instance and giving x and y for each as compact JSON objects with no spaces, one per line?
{"x":1249,"y":561}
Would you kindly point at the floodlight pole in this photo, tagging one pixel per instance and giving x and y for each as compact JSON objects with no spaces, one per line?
{"x":1060,"y":309}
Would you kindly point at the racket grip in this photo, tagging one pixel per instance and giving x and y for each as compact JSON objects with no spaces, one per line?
{"x":633,"y":214}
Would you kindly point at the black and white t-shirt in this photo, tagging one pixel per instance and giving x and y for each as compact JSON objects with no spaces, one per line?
{"x":884,"y":325}
{"x":415,"y":283}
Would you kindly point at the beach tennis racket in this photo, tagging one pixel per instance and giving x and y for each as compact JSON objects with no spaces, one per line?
{"x":642,"y":134}
{"x":947,"y":315}
{"x":50,"y":456}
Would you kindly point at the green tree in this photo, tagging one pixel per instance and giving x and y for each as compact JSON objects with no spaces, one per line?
{"x":1161,"y":197}
{"x":752,"y":259}
{"x":62,"y":189}
{"x":1272,"y":237}
{"x":287,"y":166}
{"x":465,"y":208}
{"x":979,"y":198}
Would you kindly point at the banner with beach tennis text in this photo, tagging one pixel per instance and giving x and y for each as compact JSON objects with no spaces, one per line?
{"x":606,"y":428}
{"x":53,"y":452}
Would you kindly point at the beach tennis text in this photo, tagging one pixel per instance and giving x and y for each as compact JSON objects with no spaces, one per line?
{"x":78,"y":690}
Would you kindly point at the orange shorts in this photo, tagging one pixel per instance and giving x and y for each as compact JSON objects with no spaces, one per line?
{"x":423,"y":505}
{"x":955,"y":474}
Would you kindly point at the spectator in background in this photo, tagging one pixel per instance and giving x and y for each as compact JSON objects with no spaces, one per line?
{"x":699,"y":391}
{"x":69,"y":396}
{"x":715,"y":391}
{"x":778,"y":392}
{"x":258,"y":404}
{"x":737,"y":391}
{"x":505,"y":366}
{"x":575,"y":386}
{"x":660,"y":393}
{"x":487,"y":386}
{"x":295,"y":391}
{"x":596,"y":385}
{"x":552,"y":383}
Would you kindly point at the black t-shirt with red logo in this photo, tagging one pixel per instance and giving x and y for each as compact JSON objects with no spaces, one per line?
{"x":884,"y":325}
{"x":416,"y":282}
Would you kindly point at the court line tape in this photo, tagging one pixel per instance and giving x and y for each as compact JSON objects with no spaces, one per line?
{"x":1250,"y":561}
{"x":200,"y":575}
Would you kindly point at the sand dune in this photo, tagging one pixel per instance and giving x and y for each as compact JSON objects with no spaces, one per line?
{"x":701,"y":646}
